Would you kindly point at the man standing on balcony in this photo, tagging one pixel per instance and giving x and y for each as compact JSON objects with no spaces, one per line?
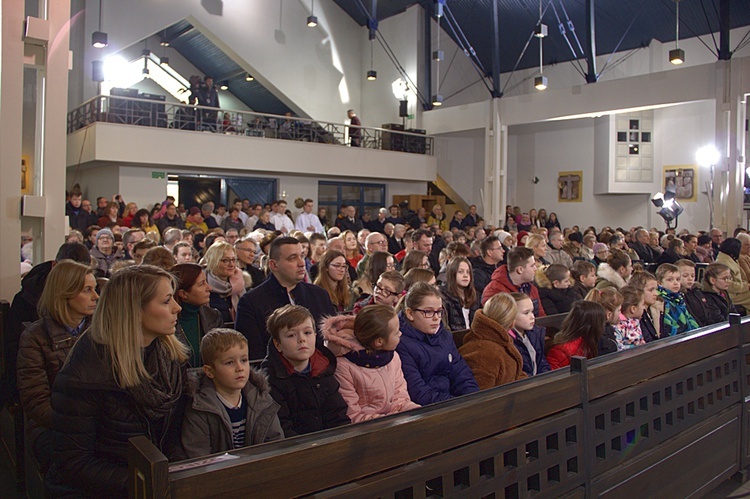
{"x":208,"y":96}
{"x":355,"y":132}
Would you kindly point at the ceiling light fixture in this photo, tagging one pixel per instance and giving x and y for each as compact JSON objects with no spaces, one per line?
{"x":677,"y":55}
{"x":437,"y":56}
{"x":224,"y":85}
{"x":249,"y":77}
{"x":312,"y":21}
{"x":99,"y":38}
{"x":540,"y":31}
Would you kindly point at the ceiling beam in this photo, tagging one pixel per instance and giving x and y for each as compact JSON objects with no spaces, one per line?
{"x":496,"y":88}
{"x":724,"y":25}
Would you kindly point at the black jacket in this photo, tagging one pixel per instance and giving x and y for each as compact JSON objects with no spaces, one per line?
{"x":308,"y":402}
{"x":557,"y":301}
{"x":79,"y":219}
{"x":579,"y":290}
{"x":257,"y":304}
{"x":482,"y":273}
{"x":165,"y":222}
{"x":93,"y":419}
{"x":668,"y":256}
{"x":644,"y":252}
{"x":395,"y":246}
{"x":718,"y":307}
{"x":697,"y":305}
{"x":347,"y":224}
{"x":453,"y":307}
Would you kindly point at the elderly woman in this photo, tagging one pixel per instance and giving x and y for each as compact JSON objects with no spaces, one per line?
{"x":739,"y":288}
{"x":744,"y":259}
{"x":225,"y":278}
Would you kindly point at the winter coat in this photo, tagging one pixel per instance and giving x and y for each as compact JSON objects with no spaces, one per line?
{"x":453,"y":307}
{"x":652,"y":322}
{"x":739,"y":289}
{"x":103,"y":262}
{"x":207,"y":429}
{"x":433,"y":368}
{"x":308,"y":402}
{"x":608,"y":277}
{"x":501,"y":283}
{"x":718,"y":306}
{"x":93,"y":418}
{"x":536,"y":338}
{"x":628,"y":333}
{"x":257,"y":304}
{"x":370,"y":392}
{"x":42,"y":351}
{"x":669,"y":256}
{"x":697,"y":305}
{"x":208,"y":319}
{"x":579,"y":290}
{"x":557,"y":301}
{"x":559,"y":256}
{"x":482,"y":273}
{"x":489,"y":352}
{"x":79,"y":219}
{"x":559,"y":355}
{"x":165,"y":223}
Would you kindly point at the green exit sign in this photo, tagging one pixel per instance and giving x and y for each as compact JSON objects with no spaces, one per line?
{"x":158,"y":175}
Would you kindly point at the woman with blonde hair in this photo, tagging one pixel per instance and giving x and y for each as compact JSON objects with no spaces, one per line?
{"x":333,"y":276}
{"x":65,"y":309}
{"x":538,"y":245}
{"x":125,"y":377}
{"x":225,"y":278}
{"x":488,"y":348}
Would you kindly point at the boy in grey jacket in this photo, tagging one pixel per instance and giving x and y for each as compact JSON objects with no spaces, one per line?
{"x":232,"y":406}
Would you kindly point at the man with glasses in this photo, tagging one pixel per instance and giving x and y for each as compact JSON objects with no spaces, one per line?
{"x":517,"y":276}
{"x":246,"y":249}
{"x":375,"y":241}
{"x":492,"y":255}
{"x":284,"y":286}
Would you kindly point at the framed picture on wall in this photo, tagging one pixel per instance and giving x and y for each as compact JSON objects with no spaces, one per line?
{"x":685,"y":180}
{"x":25,"y":175}
{"x":570,"y":187}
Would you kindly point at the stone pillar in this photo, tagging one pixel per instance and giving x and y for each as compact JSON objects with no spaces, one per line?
{"x":496,"y":166}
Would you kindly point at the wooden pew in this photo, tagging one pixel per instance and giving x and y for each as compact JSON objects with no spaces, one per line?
{"x":628,"y":424}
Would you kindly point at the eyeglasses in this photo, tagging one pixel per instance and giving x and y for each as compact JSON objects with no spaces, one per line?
{"x":338,"y":266}
{"x":382,"y":242}
{"x":386,"y":292}
{"x":429,"y":314}
{"x":390,"y":266}
{"x":229,"y":261}
{"x":251,"y":250}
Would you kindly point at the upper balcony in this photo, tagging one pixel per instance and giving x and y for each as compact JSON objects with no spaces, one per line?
{"x":151,"y":132}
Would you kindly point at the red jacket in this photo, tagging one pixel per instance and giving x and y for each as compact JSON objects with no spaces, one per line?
{"x":559,"y":355}
{"x":501,"y":283}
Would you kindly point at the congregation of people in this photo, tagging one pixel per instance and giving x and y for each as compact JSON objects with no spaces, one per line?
{"x":216,"y":327}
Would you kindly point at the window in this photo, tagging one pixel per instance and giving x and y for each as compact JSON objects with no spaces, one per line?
{"x":364,"y":197}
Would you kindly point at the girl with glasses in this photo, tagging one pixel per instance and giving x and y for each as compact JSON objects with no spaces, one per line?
{"x":716,"y":281}
{"x":225,"y":278}
{"x":379,"y":262}
{"x":433,"y":368}
{"x":387,"y":291}
{"x":333,"y":276}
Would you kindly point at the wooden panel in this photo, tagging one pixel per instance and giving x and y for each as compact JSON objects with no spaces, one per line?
{"x":333,"y":456}
{"x":626,"y":368}
{"x":690,"y":464}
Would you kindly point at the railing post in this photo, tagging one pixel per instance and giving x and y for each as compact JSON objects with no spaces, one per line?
{"x":148,"y":470}
{"x":579,"y":366}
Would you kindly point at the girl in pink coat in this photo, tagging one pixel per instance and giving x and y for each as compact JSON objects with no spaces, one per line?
{"x":368,"y":368}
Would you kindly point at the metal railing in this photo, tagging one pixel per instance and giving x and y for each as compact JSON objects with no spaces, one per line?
{"x":160,"y":114}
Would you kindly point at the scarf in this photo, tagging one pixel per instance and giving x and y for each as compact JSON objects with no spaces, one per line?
{"x":232,"y":289}
{"x":157,"y":396}
{"x":677,"y":319}
{"x":370,"y":358}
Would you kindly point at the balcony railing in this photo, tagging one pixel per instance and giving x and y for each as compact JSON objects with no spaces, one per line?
{"x":155,"y":112}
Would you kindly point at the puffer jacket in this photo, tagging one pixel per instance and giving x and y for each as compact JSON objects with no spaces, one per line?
{"x":718,"y":306}
{"x":308,"y":402}
{"x":94,"y":418}
{"x":455,"y":311}
{"x":607,"y":277}
{"x":433,"y":368}
{"x":559,"y":355}
{"x":490,"y":353}
{"x":207,"y":429}
{"x":42,"y":351}
{"x":370,"y":392}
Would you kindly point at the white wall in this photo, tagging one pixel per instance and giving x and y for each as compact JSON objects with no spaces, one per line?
{"x":461,"y":163}
{"x":321,"y":70}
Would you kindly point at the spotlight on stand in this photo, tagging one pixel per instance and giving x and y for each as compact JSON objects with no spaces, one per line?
{"x":669,"y":208}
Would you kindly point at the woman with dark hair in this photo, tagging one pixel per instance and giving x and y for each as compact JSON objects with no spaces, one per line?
{"x":459,"y":296}
{"x":196,"y":318}
{"x":379,"y":262}
{"x":552,"y":221}
{"x":142,"y":220}
{"x":415,"y":259}
{"x":739,"y":289}
{"x":110,"y":216}
{"x":126,"y":376}
{"x":615,"y":272}
{"x":333,"y":276}
{"x":579,"y":334}
{"x":675,"y":251}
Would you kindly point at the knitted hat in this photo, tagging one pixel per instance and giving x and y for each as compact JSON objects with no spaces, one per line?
{"x":195,"y":210}
{"x":104,"y":232}
{"x":600,"y":247}
{"x":521,"y":235}
{"x":502,"y":235}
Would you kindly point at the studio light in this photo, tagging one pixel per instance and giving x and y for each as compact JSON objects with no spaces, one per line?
{"x":540,"y":82}
{"x":669,"y":208}
{"x":99,"y":38}
{"x":707,"y":156}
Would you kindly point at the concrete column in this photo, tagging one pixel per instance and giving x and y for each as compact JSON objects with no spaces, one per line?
{"x":496,"y":165}
{"x":11,"y":112}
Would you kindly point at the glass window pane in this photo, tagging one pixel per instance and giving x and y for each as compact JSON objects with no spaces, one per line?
{"x":327,"y":194}
{"x":373,"y":194}
{"x":350,"y":194}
